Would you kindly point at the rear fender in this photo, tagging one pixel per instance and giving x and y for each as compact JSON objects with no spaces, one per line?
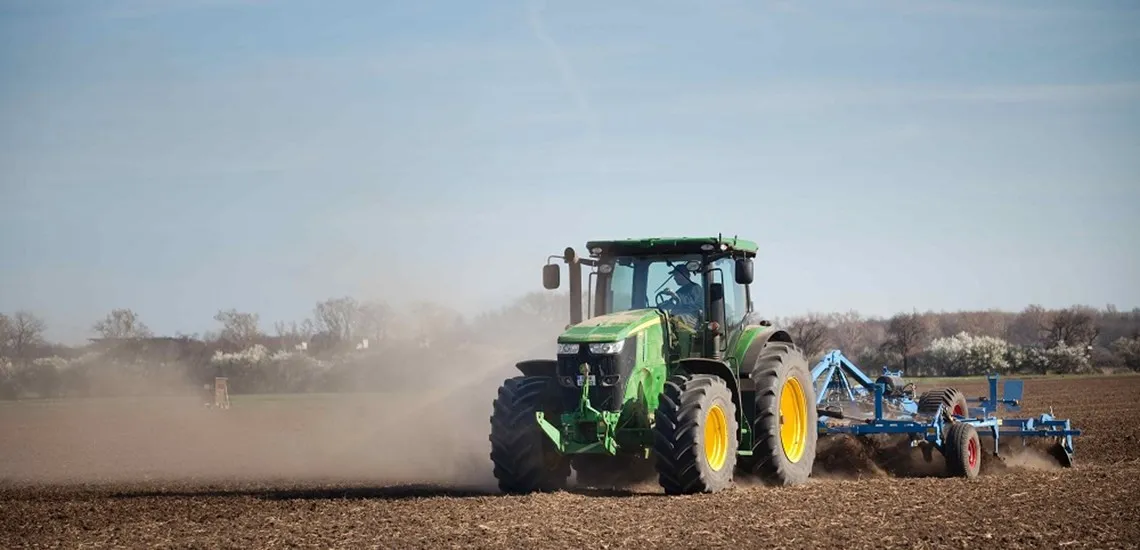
{"x":748,"y":360}
{"x":698,"y":365}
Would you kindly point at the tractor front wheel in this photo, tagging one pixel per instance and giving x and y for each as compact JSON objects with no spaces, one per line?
{"x":525,"y":459}
{"x":784,"y":430}
{"x":695,"y":435}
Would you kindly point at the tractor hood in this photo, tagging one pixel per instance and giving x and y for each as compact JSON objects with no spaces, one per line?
{"x":612,"y":327}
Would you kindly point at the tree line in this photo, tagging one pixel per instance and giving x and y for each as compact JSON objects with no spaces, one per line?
{"x":1078,"y":339}
{"x":344,"y":345}
{"x":351,"y":345}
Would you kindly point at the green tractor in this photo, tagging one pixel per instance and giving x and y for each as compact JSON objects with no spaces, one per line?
{"x":671,"y":375}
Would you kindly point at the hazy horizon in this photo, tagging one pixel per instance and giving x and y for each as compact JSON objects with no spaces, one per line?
{"x":196,"y":155}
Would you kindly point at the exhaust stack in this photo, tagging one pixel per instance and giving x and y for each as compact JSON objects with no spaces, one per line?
{"x":575,"y":272}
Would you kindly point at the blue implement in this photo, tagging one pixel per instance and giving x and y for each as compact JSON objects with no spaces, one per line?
{"x":850,"y":402}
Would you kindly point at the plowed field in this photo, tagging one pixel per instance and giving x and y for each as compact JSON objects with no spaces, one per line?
{"x":372,"y":472}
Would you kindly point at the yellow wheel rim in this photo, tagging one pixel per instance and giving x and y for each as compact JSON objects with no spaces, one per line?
{"x":793,"y":419}
{"x":716,"y":438}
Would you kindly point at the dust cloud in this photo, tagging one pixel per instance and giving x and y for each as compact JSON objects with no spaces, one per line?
{"x":845,"y":457}
{"x":430,"y":429}
{"x":1019,"y":453}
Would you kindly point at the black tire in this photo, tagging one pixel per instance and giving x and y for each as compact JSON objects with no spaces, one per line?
{"x":952,"y":401}
{"x":685,"y":411}
{"x":780,"y":364}
{"x":525,"y":459}
{"x":604,"y":471}
{"x":962,"y":450}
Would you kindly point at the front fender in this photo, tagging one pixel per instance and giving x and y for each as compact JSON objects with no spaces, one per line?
{"x":538,"y":367}
{"x":698,"y":365}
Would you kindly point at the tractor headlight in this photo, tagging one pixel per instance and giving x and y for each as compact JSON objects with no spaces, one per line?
{"x":607,"y":348}
{"x":567,"y":349}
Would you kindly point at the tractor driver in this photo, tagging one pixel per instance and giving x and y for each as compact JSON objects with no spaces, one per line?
{"x":690,"y":297}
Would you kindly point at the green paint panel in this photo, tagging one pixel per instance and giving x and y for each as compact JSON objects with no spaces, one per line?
{"x":612,"y":327}
{"x":743,"y":342}
{"x":626,"y":430}
{"x":650,"y":372}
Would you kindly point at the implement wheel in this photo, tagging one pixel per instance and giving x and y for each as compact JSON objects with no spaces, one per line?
{"x":784,"y":428}
{"x":952,"y":401}
{"x":962,"y":450}
{"x":525,"y":459}
{"x":695,"y":435}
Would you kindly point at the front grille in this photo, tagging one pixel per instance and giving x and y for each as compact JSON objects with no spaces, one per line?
{"x":611,"y":373}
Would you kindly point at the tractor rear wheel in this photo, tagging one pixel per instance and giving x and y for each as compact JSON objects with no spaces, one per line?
{"x":962,"y":450}
{"x":525,"y":459}
{"x":951,"y":400}
{"x":784,"y":429}
{"x":695,"y":435}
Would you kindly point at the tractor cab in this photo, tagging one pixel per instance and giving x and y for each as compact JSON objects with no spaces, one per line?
{"x":702,"y":283}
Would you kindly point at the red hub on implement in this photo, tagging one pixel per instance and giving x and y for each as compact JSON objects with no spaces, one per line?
{"x":962,"y":449}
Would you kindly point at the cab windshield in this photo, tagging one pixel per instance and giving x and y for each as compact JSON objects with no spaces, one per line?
{"x":673,"y":283}
{"x":668,"y":282}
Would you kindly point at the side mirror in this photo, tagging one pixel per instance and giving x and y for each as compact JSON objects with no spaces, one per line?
{"x":550,"y":276}
{"x":744,"y":271}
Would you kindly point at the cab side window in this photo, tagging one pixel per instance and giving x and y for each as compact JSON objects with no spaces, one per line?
{"x":734,"y":306}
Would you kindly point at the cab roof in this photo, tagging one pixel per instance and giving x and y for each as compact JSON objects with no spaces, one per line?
{"x":669,"y":245}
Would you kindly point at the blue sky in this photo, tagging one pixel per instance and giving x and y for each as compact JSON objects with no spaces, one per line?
{"x":185,"y":156}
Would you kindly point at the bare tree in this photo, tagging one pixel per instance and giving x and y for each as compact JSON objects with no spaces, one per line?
{"x":339,"y":317}
{"x":307,"y":329}
{"x":810,"y":333}
{"x":979,"y":323}
{"x":985,"y":323}
{"x":372,"y":321}
{"x":286,"y":334}
{"x":907,"y":333}
{"x":122,"y":323}
{"x":25,"y":332}
{"x":852,"y":333}
{"x":282,"y":329}
{"x":238,"y":327}
{"x":1073,"y":327}
{"x":1115,"y":324}
{"x":293,"y":333}
{"x":430,"y":321}
{"x":5,"y":334}
{"x":1030,"y":327}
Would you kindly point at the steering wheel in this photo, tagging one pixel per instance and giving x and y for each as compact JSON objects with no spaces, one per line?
{"x":672,"y":297}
